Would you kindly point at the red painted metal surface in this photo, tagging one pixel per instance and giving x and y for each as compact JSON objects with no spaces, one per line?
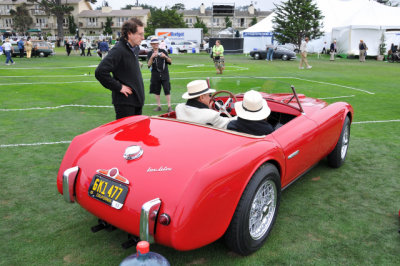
{"x":198,"y":172}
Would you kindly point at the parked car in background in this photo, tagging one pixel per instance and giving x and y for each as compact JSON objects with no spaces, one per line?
{"x":40,"y":48}
{"x":183,"y":47}
{"x":144,"y":49}
{"x":279,"y":53}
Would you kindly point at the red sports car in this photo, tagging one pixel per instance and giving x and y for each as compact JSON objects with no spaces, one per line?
{"x":185,"y":185}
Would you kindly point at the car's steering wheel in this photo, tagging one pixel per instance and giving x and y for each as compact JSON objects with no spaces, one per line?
{"x":221,"y":106}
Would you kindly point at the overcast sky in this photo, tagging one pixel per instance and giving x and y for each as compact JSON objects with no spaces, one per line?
{"x":263,"y":5}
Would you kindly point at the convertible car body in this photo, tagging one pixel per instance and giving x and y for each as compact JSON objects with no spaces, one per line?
{"x":279,"y":53}
{"x":185,"y":185}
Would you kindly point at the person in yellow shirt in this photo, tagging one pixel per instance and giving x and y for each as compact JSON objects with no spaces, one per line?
{"x":218,"y":57}
{"x":28,"y":47}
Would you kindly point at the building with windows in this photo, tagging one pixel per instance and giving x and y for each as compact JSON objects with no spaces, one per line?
{"x":88,"y":21}
{"x":215,"y":19}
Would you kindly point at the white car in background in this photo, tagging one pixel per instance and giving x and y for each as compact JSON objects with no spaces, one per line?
{"x":183,"y":47}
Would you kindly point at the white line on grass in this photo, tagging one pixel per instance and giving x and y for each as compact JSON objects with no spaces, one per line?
{"x":68,"y":141}
{"x":70,"y":105}
{"x":24,"y":68}
{"x":337,"y":97}
{"x":372,"y":122}
{"x":34,"y":144}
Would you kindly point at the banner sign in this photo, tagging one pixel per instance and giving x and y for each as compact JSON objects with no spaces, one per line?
{"x":258,"y":34}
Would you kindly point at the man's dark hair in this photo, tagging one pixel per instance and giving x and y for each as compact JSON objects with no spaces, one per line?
{"x":130,"y":26}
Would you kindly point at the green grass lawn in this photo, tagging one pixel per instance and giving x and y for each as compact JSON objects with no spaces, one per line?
{"x":345,"y":216}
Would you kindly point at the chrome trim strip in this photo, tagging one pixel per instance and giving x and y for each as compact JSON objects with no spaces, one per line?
{"x":148,"y":219}
{"x":293,"y":154}
{"x":69,"y":177}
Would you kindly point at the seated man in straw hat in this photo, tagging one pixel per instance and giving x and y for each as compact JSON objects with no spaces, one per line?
{"x":252,"y":113}
{"x":197,"y":108}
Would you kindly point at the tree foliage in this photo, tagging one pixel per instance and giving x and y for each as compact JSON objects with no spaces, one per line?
{"x":21,"y":18}
{"x":178,"y":6}
{"x":253,"y":21}
{"x":228,"y":22}
{"x":167,"y":18}
{"x":71,"y":24}
{"x":54,"y":7}
{"x":297,"y":19}
{"x":200,"y":24}
{"x":107,"y":26}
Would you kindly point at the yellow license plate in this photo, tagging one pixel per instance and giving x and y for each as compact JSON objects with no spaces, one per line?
{"x":108,"y":191}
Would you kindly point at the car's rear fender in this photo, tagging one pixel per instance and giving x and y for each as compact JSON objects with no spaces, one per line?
{"x":82,"y":143}
{"x":210,"y":198}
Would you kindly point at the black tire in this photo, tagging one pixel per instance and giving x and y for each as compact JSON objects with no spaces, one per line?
{"x":257,"y":56}
{"x":41,"y":54}
{"x":256,"y":203}
{"x":337,"y":157}
{"x":285,"y":57}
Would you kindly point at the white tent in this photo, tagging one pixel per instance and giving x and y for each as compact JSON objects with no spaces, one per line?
{"x":370,"y":21}
{"x":364,"y":15}
{"x":257,"y":36}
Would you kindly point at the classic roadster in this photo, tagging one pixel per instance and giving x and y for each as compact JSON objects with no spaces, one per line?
{"x":185,"y":185}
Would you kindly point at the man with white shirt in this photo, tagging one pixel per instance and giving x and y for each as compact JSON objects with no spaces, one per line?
{"x":197,"y":108}
{"x":303,"y":51}
{"x":8,"y":49}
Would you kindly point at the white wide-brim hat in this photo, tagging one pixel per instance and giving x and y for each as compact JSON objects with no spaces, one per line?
{"x":154,"y":40}
{"x":196,"y":88}
{"x":253,"y":107}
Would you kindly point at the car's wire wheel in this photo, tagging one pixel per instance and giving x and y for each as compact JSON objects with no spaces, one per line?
{"x":262,"y":209}
{"x":345,"y":142}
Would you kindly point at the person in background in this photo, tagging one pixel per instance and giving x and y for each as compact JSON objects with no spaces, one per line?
{"x":197,"y":107}
{"x":8,"y":49}
{"x":104,"y":48}
{"x":89,"y":48}
{"x":119,"y":71}
{"x":167,"y":42}
{"x":158,"y":61}
{"x":333,"y":50}
{"x":324,"y":49}
{"x":21,"y":45}
{"x":218,"y":57}
{"x":252,"y":113}
{"x":270,"y":52}
{"x":362,"y":47}
{"x":28,"y":47}
{"x":303,"y":51}
{"x":82,"y":46}
{"x":163,"y":45}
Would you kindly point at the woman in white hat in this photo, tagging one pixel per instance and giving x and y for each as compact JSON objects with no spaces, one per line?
{"x":252,"y":113}
{"x":197,"y":108}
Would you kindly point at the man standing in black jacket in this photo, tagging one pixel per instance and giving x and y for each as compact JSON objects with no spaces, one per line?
{"x":126,"y":82}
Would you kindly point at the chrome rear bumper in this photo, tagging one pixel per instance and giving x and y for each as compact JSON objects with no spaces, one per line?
{"x":148,"y":219}
{"x":69,"y":177}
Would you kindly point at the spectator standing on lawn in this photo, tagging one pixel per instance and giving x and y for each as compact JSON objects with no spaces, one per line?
{"x":158,"y":61}
{"x":362,"y":47}
{"x":270,"y":52}
{"x":126,"y":82}
{"x":333,"y":50}
{"x":82,"y":46}
{"x":218,"y":57}
{"x":303,"y":51}
{"x":103,"y":47}
{"x":89,"y":48}
{"x":20,"y":44}
{"x":8,"y":49}
{"x":28,"y":47}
